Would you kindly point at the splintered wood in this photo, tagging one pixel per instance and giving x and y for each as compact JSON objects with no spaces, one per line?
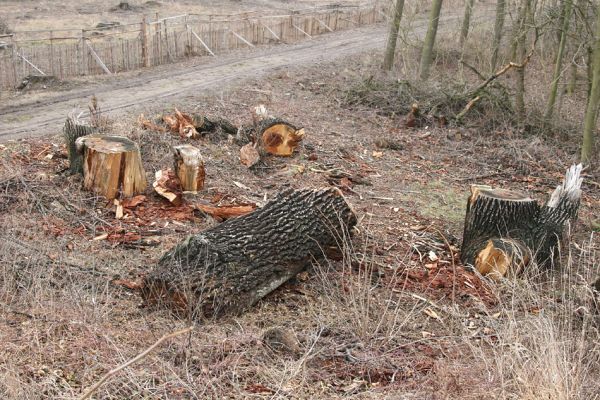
{"x":506,"y":230}
{"x":181,"y":123}
{"x":111,"y":165}
{"x":167,"y":184}
{"x":189,"y":167}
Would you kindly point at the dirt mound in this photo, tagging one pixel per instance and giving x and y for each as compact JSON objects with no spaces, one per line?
{"x":37,"y":82}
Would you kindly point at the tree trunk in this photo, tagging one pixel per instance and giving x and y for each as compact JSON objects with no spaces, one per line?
{"x":566,"y":12}
{"x":71,"y":132}
{"x":591,"y":112}
{"x":498,"y":31}
{"x":189,"y":167}
{"x":390,"y":48}
{"x":505,"y":230}
{"x":466,"y":22}
{"x":230,"y":267}
{"x":427,"y":53}
{"x":111,"y":166}
{"x":521,"y":54}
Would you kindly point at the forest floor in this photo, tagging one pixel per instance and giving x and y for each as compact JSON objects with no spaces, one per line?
{"x":402,"y":319}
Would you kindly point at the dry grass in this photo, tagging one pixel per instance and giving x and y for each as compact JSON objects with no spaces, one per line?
{"x":364,"y":327}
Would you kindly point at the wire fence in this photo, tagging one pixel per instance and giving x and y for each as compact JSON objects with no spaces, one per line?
{"x":110,"y":49}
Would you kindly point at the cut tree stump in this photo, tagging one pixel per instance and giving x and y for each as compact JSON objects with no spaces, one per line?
{"x":278,"y":137}
{"x":111,"y":166}
{"x":189,"y":167}
{"x":71,"y":132}
{"x":505,"y":230}
{"x":231,"y":266}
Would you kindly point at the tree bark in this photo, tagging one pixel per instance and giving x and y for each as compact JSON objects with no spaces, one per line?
{"x":112,"y":166}
{"x":427,"y":53}
{"x":189,"y":167}
{"x":466,"y":22}
{"x":230,"y":267}
{"x":71,"y":132}
{"x":498,"y":32}
{"x":566,"y":12}
{"x":591,"y":112}
{"x":521,"y":53}
{"x":390,"y":48}
{"x":505,"y":230}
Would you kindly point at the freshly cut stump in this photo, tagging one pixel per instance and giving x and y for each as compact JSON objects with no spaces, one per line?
{"x":112,"y":166}
{"x":228,"y":268}
{"x":278,"y":137}
{"x":504,"y":230}
{"x":189,"y":167}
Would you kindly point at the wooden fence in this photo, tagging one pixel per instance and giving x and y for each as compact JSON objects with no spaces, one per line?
{"x":69,"y":53}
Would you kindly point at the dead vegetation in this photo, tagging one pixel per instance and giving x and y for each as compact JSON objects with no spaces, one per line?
{"x":393,"y":313}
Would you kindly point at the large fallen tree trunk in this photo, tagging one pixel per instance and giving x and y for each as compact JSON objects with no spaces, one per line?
{"x":228,"y":268}
{"x":111,"y":165}
{"x":504,"y":230}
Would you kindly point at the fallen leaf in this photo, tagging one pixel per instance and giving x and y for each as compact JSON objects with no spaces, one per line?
{"x":377,"y":154}
{"x":432,"y":314}
{"x":134,"y":201}
{"x":432,"y":256}
{"x":249,"y":155}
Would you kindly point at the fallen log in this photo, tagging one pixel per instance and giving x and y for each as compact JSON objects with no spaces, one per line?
{"x":231,"y":266}
{"x":111,"y":165}
{"x":189,"y":167}
{"x":506,"y":230}
{"x":71,"y":132}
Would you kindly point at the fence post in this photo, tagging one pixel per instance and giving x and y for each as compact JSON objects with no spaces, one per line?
{"x":158,"y":40}
{"x":144,"y":32}
{"x":14,"y":59}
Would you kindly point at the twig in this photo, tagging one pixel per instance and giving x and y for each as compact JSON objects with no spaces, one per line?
{"x":472,"y":68}
{"x":137,"y":358}
{"x":469,"y":105}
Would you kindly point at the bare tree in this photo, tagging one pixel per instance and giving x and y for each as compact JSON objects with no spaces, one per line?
{"x":390,"y":48}
{"x":591,"y":112}
{"x":566,"y":17}
{"x":498,"y":31}
{"x":466,"y":22}
{"x":427,"y":53}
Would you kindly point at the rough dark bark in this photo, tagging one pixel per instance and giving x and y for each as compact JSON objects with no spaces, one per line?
{"x":230,"y":267}
{"x":504,"y":229}
{"x":71,"y":131}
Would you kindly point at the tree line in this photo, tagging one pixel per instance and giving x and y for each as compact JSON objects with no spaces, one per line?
{"x":571,"y":26}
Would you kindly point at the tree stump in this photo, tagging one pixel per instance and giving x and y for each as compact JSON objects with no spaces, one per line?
{"x":189,"y":167}
{"x":231,"y":266}
{"x":112,"y":165}
{"x":71,"y":132}
{"x":505,"y":230}
{"x":278,"y":137}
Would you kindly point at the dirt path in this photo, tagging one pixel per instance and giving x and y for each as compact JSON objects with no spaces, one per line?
{"x":36,"y":117}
